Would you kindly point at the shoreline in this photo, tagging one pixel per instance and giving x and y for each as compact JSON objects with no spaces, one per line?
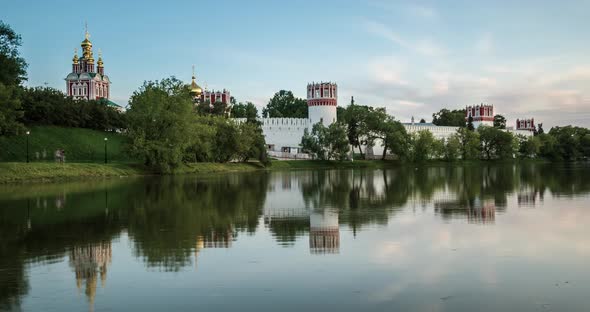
{"x":48,"y":172}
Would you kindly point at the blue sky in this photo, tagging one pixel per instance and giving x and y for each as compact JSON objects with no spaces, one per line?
{"x":528,"y":58}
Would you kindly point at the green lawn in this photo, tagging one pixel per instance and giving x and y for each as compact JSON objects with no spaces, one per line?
{"x":80,"y":145}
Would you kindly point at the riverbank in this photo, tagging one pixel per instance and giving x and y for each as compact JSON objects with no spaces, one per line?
{"x":17,"y":172}
{"x":14,"y":172}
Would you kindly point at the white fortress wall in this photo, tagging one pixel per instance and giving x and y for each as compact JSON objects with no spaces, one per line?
{"x":439,"y":132}
{"x":282,"y":132}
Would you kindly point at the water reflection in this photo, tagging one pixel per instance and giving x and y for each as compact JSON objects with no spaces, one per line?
{"x":170,"y":222}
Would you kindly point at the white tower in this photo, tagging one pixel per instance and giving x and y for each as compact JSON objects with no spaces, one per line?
{"x":322,"y":99}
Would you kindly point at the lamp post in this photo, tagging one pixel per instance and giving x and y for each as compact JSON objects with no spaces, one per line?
{"x":28,"y":132}
{"x":105,"y":150}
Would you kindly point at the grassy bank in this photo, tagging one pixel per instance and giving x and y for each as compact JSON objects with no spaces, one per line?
{"x":22,"y":172}
{"x":80,"y":145}
{"x":48,"y":171}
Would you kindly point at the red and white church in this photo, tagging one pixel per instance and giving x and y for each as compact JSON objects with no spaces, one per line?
{"x":86,"y":82}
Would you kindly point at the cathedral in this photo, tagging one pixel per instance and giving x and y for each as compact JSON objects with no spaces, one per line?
{"x":86,"y":82}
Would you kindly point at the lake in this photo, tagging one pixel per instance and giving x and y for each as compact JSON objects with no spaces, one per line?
{"x":439,"y":238}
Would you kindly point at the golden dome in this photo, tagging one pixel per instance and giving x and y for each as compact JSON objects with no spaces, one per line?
{"x":86,"y":42}
{"x":100,"y":63}
{"x":195,"y":89}
{"x":75,"y":59}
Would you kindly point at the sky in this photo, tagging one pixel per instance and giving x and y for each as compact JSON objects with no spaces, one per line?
{"x":530,"y":59}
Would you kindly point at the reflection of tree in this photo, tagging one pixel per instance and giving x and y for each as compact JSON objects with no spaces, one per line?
{"x":169,"y":214}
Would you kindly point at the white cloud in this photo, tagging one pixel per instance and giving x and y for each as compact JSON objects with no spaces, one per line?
{"x":485,"y":44}
{"x":423,"y":46}
{"x":387,"y":71}
{"x":423,"y":11}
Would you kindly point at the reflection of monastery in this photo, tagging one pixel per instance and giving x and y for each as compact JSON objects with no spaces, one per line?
{"x":477,"y":211}
{"x":214,"y":239}
{"x":285,"y":203}
{"x":89,"y":263}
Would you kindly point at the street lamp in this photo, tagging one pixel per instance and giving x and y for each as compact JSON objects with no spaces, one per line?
{"x":28,"y":132}
{"x":105,"y":150}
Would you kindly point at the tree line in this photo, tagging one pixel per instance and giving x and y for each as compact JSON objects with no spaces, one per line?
{"x":166,"y":129}
{"x":363,"y":127}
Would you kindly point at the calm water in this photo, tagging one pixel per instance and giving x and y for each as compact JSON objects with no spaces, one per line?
{"x":512,"y":238}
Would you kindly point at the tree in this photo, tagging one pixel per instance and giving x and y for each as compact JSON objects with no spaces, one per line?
{"x":159,"y":119}
{"x":499,"y":122}
{"x":422,"y":120}
{"x":569,"y":142}
{"x":452,"y":148}
{"x":355,"y":117}
{"x":496,"y":143}
{"x":468,"y":144}
{"x":226,"y":144}
{"x":337,"y":141}
{"x":314,"y":143}
{"x":377,"y":126}
{"x":470,"y":126}
{"x":540,"y":129}
{"x":529,"y":147}
{"x":10,"y":111}
{"x":284,"y":104}
{"x":548,"y":148}
{"x":452,"y":118}
{"x":219,"y":109}
{"x":244,"y":110}
{"x":12,"y":66}
{"x":423,"y":144}
{"x":398,"y":140}
{"x":250,"y":142}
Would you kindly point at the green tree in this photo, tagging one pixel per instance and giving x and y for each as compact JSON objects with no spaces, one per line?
{"x":355,"y":117}
{"x":398,"y":140}
{"x":13,"y":68}
{"x":159,"y":119}
{"x":470,"y":126}
{"x":499,"y":122}
{"x":377,"y":126}
{"x":203,"y":137}
{"x":337,"y":141}
{"x":226,"y":145}
{"x":422,"y":120}
{"x":529,"y":147}
{"x":244,"y":110}
{"x":251,"y":143}
{"x":469,"y":144}
{"x":496,"y":143}
{"x":540,"y":129}
{"x":10,"y":110}
{"x":569,"y":141}
{"x":423,"y":145}
{"x":453,"y":118}
{"x":452,"y":148}
{"x":548,"y":148}
{"x":315,"y":143}
{"x":284,"y":104}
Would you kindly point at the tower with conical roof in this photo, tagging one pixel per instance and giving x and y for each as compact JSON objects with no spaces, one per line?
{"x":85,"y":82}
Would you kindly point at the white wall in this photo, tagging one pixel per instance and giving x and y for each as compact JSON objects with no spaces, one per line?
{"x":282,"y":132}
{"x":327,"y":114}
